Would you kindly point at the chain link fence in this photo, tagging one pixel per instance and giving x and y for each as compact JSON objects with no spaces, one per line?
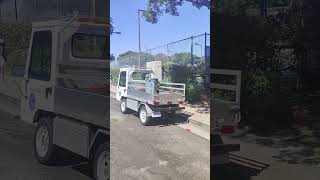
{"x":183,"y":61}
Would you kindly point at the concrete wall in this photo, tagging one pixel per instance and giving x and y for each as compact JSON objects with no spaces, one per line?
{"x":156,"y":67}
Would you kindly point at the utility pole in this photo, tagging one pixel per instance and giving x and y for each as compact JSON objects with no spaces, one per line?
{"x":93,"y":7}
{"x":139,"y":37}
{"x":192,"y":51}
{"x":35,"y":8}
{"x":263,"y":8}
{"x":61,"y":8}
{"x":16,"y":10}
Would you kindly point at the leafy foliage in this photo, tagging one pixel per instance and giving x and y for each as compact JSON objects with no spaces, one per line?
{"x":156,"y":8}
{"x":16,"y":37}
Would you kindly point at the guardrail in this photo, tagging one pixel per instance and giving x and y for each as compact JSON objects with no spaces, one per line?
{"x":180,"y":87}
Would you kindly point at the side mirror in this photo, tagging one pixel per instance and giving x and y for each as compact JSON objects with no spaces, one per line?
{"x":18,"y":70}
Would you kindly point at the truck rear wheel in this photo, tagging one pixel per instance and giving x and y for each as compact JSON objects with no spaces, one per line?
{"x":123,"y":106}
{"x":144,"y":119}
{"x":101,"y":162}
{"x":43,"y":143}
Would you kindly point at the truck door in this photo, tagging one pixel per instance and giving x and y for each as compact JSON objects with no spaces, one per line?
{"x":122,"y":85}
{"x":38,"y":88}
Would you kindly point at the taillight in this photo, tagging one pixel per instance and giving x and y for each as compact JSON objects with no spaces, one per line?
{"x":156,"y":101}
{"x":227,"y":129}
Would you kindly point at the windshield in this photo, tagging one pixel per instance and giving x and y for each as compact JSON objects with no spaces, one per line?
{"x":140,"y":76}
{"x":89,"y":46}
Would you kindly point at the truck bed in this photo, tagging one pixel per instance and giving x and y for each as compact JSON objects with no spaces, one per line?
{"x":170,"y":97}
{"x":143,"y":92}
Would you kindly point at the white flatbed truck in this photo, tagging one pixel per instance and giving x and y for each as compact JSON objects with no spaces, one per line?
{"x":66,"y":63}
{"x":226,"y":114}
{"x":138,"y":90}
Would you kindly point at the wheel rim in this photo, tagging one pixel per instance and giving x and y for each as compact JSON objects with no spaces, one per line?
{"x":42,"y":141}
{"x":143,"y":115}
{"x":123,"y":106}
{"x":102,"y":167}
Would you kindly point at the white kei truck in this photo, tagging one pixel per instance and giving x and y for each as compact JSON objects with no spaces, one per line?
{"x":225,"y":113}
{"x":65,"y":90}
{"x":140,"y":91}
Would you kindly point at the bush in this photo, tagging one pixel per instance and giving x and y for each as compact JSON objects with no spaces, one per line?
{"x":17,"y":57}
{"x":188,"y":75}
{"x":115,"y":75}
{"x":193,"y":92}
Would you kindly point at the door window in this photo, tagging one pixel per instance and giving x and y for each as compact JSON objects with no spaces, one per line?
{"x":122,"y":80}
{"x":40,"y":60}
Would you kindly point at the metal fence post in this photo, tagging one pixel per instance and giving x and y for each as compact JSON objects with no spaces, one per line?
{"x":192,"y":51}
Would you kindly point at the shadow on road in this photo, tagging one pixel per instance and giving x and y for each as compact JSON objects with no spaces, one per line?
{"x":298,"y":142}
{"x":233,"y":171}
{"x":239,"y":168}
{"x":70,"y":160}
{"x":169,"y":120}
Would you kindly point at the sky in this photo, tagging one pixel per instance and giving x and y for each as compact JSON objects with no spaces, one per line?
{"x":191,"y":21}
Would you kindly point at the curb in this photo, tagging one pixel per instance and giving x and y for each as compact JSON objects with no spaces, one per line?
{"x":200,"y":124}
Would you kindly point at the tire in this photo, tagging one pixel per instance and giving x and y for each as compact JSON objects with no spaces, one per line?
{"x":144,"y":119}
{"x":101,"y":163}
{"x":44,"y":149}
{"x":123,"y":106}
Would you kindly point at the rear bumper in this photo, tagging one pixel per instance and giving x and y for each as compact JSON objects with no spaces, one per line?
{"x":167,"y":109}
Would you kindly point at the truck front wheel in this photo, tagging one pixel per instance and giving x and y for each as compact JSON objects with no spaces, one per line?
{"x":101,"y":161}
{"x":43,"y":142}
{"x":123,"y":106}
{"x":144,"y":119}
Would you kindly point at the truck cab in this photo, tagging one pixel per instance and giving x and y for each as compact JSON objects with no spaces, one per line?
{"x":131,"y":74}
{"x":65,"y":90}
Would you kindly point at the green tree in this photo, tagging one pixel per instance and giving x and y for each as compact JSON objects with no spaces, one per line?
{"x":156,"y":8}
{"x":16,"y":37}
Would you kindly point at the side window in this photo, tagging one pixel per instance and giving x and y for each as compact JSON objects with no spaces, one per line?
{"x":40,"y":60}
{"x":122,"y":80}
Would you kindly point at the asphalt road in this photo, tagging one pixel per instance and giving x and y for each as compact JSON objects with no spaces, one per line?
{"x":162,"y":151}
{"x":17,"y":161}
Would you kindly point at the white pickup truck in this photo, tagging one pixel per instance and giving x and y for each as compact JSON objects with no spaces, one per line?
{"x":140,"y":91}
{"x":62,"y":90}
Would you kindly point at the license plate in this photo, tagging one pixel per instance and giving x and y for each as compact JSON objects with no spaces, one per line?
{"x":156,"y":114}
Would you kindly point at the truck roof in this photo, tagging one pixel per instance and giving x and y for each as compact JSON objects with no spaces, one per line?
{"x":85,"y":20}
{"x":136,"y":69}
